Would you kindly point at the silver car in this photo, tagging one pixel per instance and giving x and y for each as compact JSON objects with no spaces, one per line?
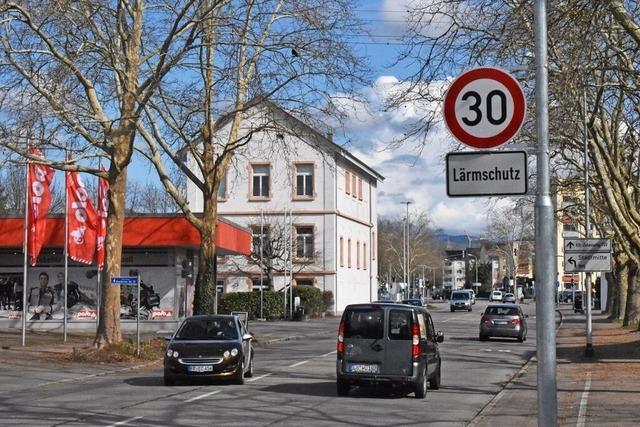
{"x":509,"y":298}
{"x":503,"y":320}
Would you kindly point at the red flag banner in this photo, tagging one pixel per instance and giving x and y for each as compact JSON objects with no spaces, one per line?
{"x":103,"y":208}
{"x":39,"y":196}
{"x":82,"y":219}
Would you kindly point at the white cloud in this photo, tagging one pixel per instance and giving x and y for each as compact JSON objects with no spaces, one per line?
{"x":410,"y":175}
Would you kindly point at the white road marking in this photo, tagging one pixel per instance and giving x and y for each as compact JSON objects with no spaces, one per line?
{"x":582,"y":414}
{"x":299,"y":364}
{"x":330,"y":353}
{"x":504,"y":351}
{"x":202,"y":396}
{"x":258,"y":378}
{"x":124,"y":422}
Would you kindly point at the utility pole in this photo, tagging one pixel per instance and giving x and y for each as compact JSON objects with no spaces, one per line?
{"x":407,"y":273}
{"x":545,"y":269}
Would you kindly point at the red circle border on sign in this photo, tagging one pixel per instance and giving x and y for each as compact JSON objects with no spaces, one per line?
{"x":519,"y":103}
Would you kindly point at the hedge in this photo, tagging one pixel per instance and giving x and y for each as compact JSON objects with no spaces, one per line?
{"x":314,"y":301}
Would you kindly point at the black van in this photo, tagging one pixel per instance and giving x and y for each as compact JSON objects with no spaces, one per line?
{"x":392,"y":344}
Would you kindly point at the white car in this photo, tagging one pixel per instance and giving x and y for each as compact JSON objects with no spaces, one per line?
{"x":496,"y":296}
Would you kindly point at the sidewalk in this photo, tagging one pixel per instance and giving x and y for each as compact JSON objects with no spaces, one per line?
{"x":599,"y":391}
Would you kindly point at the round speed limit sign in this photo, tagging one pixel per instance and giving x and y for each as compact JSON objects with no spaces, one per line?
{"x":484,"y":107}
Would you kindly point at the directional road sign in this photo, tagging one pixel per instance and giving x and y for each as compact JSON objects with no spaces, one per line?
{"x":124,"y":280}
{"x":484,"y":107}
{"x":587,"y":245}
{"x":587,"y":261}
{"x":492,"y":173}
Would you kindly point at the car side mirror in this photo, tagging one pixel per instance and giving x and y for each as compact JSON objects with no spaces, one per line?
{"x":247,"y":337}
{"x":439,"y":336}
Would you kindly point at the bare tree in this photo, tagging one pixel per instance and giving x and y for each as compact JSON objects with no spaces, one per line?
{"x":593,"y":57}
{"x":75,"y":77}
{"x":424,"y":246}
{"x":275,"y":250}
{"x":253,"y":54}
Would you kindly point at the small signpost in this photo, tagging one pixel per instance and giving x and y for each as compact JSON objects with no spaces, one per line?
{"x":494,"y":173}
{"x":131,"y":281}
{"x":587,"y":255}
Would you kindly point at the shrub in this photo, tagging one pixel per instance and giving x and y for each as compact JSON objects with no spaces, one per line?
{"x":327,"y":299}
{"x":273,"y":304}
{"x":310,"y":299}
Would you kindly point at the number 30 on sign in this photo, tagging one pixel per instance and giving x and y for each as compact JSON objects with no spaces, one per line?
{"x":484,"y":107}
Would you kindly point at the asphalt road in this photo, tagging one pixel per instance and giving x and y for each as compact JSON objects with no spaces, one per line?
{"x":293,"y":384}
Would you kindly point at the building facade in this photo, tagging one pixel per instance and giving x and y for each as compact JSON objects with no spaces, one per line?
{"x":311,"y":206}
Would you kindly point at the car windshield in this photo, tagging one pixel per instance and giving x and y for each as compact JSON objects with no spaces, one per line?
{"x":364,"y":323}
{"x":459,"y":296}
{"x":501,"y":311}
{"x":208,"y":329}
{"x":497,"y":293}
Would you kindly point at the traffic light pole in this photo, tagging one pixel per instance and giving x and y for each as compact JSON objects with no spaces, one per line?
{"x":545,"y":270}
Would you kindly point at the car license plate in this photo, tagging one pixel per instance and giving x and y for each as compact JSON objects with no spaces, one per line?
{"x":200,"y":368}
{"x":500,"y":322}
{"x":361,"y":368}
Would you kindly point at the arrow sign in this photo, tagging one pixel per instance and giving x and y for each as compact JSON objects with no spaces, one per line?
{"x":585,"y":262}
{"x":587,"y":245}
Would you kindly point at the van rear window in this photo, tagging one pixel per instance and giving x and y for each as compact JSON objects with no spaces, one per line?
{"x":364,"y":324}
{"x":400,"y":325}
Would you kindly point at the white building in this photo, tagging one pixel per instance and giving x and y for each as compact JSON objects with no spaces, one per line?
{"x":453,"y":274}
{"x":332,"y":199}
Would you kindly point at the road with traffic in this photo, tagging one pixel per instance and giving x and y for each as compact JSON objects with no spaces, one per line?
{"x":293,"y":384}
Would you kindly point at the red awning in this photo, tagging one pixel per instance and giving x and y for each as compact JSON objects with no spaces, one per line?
{"x":141,"y":231}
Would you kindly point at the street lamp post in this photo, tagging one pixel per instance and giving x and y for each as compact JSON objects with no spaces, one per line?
{"x":407,"y":273}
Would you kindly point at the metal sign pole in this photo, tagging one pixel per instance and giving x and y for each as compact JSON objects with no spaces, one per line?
{"x":588,"y":351}
{"x":545,"y":286}
{"x":138,"y":318}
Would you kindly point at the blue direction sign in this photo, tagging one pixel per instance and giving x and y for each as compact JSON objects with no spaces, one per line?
{"x":124,"y":280}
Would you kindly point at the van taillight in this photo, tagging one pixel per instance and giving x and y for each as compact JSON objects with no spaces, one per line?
{"x":486,"y":320}
{"x":415,"y":347}
{"x":340,"y":339}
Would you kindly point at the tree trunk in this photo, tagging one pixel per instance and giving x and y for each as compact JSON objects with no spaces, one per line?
{"x":632,"y":309}
{"x":205,"y":290}
{"x":109,"y":321}
{"x":610,"y":294}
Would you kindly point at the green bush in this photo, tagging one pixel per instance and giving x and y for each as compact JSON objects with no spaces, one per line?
{"x":327,"y":299}
{"x":273,"y":304}
{"x":314,"y":301}
{"x":310,"y":299}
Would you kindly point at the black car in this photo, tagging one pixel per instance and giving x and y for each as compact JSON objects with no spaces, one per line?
{"x":209,"y":347}
{"x":394,"y":344}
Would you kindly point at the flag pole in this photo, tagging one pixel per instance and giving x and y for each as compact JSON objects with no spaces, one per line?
{"x":66,"y":252}
{"x":26,"y":258}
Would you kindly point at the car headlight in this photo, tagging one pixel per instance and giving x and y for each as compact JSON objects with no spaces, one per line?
{"x":175,"y":354}
{"x":234,"y":352}
{"x":169,"y":353}
{"x":226,"y":354}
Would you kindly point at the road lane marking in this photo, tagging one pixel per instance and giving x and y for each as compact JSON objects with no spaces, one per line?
{"x":202,"y":396}
{"x":258,"y":378}
{"x":298,"y":364}
{"x":330,"y":353}
{"x":582,"y":414}
{"x":124,"y":422}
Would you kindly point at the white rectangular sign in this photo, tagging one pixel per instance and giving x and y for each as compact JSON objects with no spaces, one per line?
{"x":587,"y":245}
{"x":487,"y":173}
{"x":587,"y":261}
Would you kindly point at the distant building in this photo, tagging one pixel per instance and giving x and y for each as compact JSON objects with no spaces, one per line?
{"x":332,"y":198}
